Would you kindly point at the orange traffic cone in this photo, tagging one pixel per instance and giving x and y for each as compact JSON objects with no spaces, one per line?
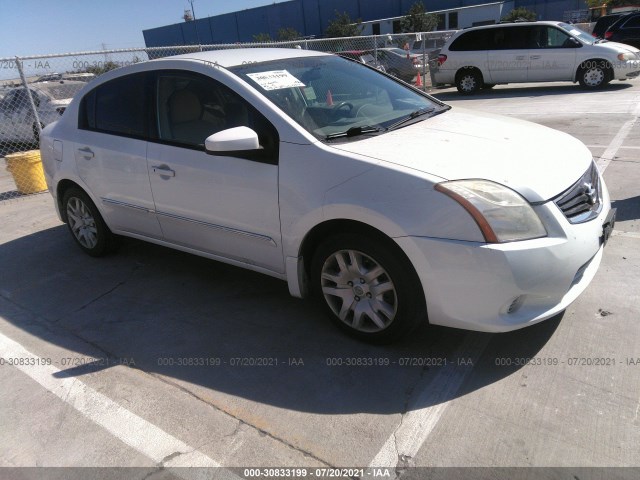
{"x":419,"y":80}
{"x":329,"y":98}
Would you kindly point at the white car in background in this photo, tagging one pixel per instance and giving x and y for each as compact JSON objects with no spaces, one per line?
{"x":482,"y":57}
{"x":17,"y":121}
{"x":386,"y":204}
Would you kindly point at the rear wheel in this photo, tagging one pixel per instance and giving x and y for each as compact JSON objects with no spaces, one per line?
{"x":367,"y":287}
{"x":468,"y":81}
{"x":594,"y":74}
{"x":86,"y":224}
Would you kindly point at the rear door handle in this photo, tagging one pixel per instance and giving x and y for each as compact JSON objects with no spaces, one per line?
{"x":163,"y":171}
{"x":520,"y":57}
{"x":534,"y":57}
{"x":86,"y":153}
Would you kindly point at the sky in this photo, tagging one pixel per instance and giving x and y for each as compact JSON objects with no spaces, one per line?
{"x":33,"y":27}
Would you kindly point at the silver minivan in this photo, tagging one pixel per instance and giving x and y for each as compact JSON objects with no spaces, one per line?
{"x":482,"y":57}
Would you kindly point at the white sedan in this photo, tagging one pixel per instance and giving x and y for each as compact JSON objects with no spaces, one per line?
{"x":389,"y":206}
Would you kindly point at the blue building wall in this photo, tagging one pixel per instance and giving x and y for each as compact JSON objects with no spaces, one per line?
{"x":311,"y":17}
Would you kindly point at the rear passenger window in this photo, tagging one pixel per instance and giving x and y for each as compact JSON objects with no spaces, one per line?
{"x":116,"y":107}
{"x":509,"y":38}
{"x":471,"y":41}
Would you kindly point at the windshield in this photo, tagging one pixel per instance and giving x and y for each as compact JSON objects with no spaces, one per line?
{"x":576,"y":32}
{"x":329,"y":95}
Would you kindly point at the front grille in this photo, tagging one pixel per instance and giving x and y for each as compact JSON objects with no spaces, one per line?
{"x":583,"y":201}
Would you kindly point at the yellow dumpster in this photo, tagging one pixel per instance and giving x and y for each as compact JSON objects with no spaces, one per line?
{"x":26,"y":168}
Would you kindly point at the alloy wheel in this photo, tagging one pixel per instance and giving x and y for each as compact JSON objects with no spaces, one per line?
{"x":82,"y":223}
{"x":359,"y":291}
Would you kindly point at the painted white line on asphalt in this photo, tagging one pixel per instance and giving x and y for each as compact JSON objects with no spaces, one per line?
{"x":417,"y":424}
{"x":126,"y":426}
{"x":610,"y":153}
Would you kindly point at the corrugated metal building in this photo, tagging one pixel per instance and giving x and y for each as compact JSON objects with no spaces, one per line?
{"x":311,"y":17}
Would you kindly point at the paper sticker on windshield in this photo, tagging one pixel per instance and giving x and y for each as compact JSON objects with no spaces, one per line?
{"x":576,"y":32}
{"x":275,"y":80}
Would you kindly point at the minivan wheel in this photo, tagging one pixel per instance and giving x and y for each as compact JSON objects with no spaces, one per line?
{"x":593,"y":74}
{"x":366,"y":288}
{"x":86,"y":224}
{"x":468,"y":81}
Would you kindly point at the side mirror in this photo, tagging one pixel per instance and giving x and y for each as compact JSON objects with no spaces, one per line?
{"x":572,"y":43}
{"x":232,"y":140}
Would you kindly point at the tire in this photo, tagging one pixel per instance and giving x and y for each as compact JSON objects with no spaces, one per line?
{"x":488,"y":86}
{"x":368,"y":288}
{"x":468,"y":81}
{"x":86,"y":224}
{"x":594,"y":74}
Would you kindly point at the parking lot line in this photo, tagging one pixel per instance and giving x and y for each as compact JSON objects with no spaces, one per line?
{"x":615,"y":145}
{"x":416,"y":425}
{"x":161,"y":447}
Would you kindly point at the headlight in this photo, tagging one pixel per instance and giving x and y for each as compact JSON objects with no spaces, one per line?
{"x":501,"y":214}
{"x":626,"y":56}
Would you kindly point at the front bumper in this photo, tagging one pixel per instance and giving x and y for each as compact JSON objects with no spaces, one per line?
{"x":504,"y":287}
{"x":626,"y":70}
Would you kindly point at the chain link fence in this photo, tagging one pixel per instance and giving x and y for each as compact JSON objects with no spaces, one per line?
{"x":35,"y":91}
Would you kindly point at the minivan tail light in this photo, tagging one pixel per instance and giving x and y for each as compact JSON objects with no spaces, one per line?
{"x":441,"y":59}
{"x":608,"y":35}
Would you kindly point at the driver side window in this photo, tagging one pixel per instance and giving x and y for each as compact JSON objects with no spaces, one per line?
{"x":191,"y":107}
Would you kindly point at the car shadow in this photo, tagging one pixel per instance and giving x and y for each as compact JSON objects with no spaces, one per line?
{"x":628,"y":208}
{"x":513,"y":91}
{"x":234,"y":331}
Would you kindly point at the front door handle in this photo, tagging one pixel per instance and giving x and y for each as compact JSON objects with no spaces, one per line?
{"x":163,"y":171}
{"x":86,"y":153}
{"x":520,"y":57}
{"x":534,"y":57}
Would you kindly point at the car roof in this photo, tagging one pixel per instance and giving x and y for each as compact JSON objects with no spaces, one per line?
{"x":510,"y":24}
{"x":240,"y":56}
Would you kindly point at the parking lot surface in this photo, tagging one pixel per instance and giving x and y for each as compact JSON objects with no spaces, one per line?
{"x":155,"y":358}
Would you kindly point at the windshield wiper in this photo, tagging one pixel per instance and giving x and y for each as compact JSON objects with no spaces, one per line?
{"x":411,"y":116}
{"x":354,"y":132}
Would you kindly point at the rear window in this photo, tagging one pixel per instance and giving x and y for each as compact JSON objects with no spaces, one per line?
{"x":470,"y":41}
{"x":116,"y":107}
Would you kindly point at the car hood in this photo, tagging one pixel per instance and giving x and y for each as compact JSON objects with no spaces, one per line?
{"x":618,"y":47}
{"x":536,"y":161}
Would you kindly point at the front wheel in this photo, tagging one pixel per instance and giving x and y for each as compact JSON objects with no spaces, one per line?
{"x":368,"y":289}
{"x":594,"y":74}
{"x":86,"y":224}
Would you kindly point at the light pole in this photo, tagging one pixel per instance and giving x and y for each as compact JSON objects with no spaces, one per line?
{"x":193,"y":12}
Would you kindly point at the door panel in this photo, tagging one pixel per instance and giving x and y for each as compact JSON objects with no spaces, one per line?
{"x":552,"y":55}
{"x":221,"y":205}
{"x":508,"y":55}
{"x":115,"y":171}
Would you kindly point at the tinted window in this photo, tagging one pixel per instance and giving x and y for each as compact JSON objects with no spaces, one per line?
{"x":473,"y":40}
{"x":192,"y":107}
{"x":116,"y":107}
{"x":509,"y":38}
{"x":633,"y":22}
